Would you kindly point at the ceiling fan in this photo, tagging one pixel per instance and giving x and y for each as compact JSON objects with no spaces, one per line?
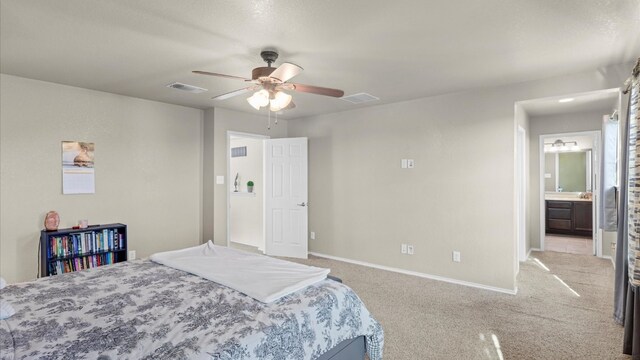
{"x":270,"y":84}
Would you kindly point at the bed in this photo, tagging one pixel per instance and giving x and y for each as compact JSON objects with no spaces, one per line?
{"x":143,"y":310}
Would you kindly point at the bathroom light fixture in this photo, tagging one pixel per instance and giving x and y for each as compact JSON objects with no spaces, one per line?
{"x":566,"y":100}
{"x":560,"y":145}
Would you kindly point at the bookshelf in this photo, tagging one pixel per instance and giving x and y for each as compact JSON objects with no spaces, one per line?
{"x":68,"y":250}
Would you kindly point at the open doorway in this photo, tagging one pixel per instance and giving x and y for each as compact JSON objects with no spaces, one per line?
{"x":569,"y":164}
{"x":267,"y":194}
{"x":245,"y":191}
{"x":546,"y":120}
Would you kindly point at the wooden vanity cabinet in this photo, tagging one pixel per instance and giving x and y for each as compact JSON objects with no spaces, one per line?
{"x":569,"y":217}
{"x":583,"y":219}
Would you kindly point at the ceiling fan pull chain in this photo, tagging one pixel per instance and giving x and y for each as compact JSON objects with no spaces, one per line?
{"x":269,"y":120}
{"x":276,"y":118}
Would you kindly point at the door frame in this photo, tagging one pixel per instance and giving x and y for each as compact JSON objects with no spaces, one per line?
{"x":227,"y":188}
{"x":595,"y":156}
{"x":521,"y":193}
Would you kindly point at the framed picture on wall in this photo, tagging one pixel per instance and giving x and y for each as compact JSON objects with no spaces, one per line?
{"x":78,"y":173}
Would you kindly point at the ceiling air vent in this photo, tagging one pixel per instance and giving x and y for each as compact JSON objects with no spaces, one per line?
{"x":186,"y":87}
{"x":359,"y":98}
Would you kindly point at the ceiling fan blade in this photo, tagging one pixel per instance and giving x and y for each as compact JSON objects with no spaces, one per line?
{"x":318,"y":90}
{"x":219,"y":75}
{"x":233,"y":93}
{"x":291,"y":105}
{"x":286,"y":71}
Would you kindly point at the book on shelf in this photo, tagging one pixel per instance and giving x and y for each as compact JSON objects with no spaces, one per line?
{"x":80,"y":263}
{"x":84,"y":243}
{"x":69,"y":250}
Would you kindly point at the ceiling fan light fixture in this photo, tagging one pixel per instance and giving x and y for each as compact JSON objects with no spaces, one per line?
{"x":280,"y":101}
{"x":259,"y":99}
{"x":274,"y":108}
{"x":263,"y":97}
{"x":253,"y":101}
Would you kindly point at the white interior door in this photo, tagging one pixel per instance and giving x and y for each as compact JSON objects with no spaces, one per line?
{"x":286,"y":215}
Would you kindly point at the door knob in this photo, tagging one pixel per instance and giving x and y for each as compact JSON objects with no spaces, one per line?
{"x":303,"y":204}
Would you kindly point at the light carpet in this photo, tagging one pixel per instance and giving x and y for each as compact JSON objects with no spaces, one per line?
{"x":428,"y":319}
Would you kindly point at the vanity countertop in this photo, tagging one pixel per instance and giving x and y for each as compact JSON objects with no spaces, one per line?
{"x":565,"y":198}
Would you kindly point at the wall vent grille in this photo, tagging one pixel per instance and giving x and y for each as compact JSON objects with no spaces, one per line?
{"x":239,"y":151}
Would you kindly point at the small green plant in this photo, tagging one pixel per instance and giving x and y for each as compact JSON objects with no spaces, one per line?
{"x":250,"y":183}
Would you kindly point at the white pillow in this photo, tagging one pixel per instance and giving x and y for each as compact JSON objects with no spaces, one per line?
{"x":2,"y":283}
{"x":6,"y":310}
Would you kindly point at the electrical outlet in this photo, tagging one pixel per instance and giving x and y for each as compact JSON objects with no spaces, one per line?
{"x":313,"y":235}
{"x":410,"y":249}
{"x":410,"y":163}
{"x":132,"y":255}
{"x":403,"y":248}
{"x":456,"y":256}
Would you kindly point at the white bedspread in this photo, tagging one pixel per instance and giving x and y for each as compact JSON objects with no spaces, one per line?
{"x":261,"y":277}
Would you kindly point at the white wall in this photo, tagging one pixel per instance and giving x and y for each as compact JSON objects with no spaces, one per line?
{"x":154,"y":158}
{"x":224,"y":120}
{"x":246,"y":213}
{"x":148,"y":166}
{"x":208,"y":175}
{"x":460,"y":196}
{"x":552,"y":124}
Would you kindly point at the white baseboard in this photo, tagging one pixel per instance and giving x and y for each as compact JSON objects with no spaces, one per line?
{"x":529,"y":253}
{"x":419,"y":274}
{"x":609,"y":258}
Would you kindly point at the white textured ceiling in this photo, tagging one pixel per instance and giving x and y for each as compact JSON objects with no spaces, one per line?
{"x":605,"y":101}
{"x":395,"y":50}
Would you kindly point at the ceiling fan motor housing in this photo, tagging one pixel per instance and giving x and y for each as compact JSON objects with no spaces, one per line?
{"x":269,"y":56}
{"x":262,"y":72}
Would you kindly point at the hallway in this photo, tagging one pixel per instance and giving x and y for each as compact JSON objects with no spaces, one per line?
{"x":568,"y":244}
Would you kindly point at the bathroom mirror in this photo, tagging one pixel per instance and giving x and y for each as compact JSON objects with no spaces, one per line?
{"x":569,"y":171}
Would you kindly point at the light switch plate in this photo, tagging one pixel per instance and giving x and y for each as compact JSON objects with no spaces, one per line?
{"x":220,"y":180}
{"x":313,"y":235}
{"x":410,"y":163}
{"x":456,"y":256}
{"x":410,"y":249}
{"x":403,"y":249}
{"x":404,"y":163}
